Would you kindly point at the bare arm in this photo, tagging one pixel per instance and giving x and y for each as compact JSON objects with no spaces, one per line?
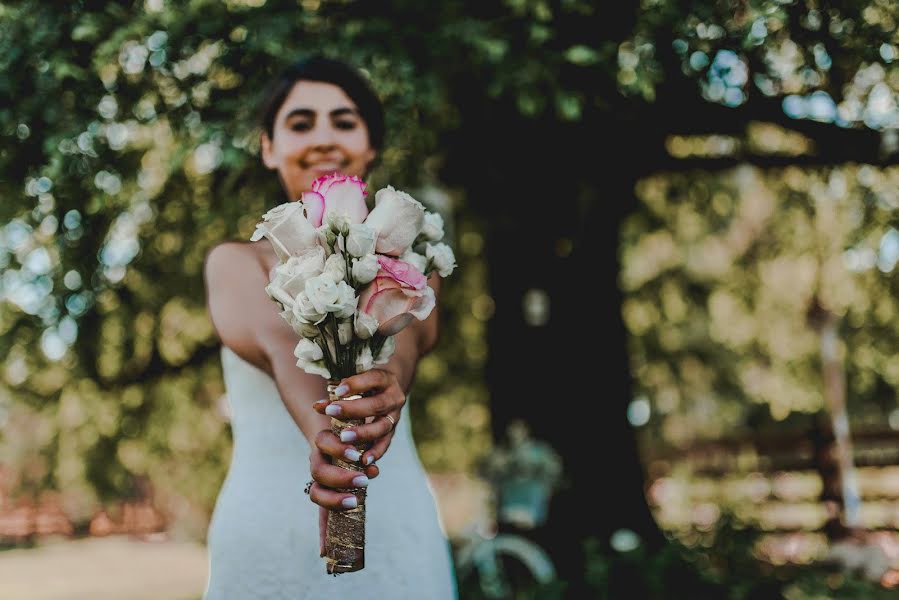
{"x":247,"y":321}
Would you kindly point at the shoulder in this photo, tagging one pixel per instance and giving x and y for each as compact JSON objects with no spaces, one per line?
{"x":222,"y":254}
{"x":237,"y":259}
{"x":235,"y":276}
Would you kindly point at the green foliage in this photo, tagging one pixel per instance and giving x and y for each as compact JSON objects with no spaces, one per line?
{"x":130,"y":149}
{"x":721,"y":274}
{"x":724,"y":567}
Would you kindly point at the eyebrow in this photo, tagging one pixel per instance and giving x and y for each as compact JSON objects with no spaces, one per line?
{"x":308,"y":112}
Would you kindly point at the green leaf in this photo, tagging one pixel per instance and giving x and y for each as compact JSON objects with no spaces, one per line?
{"x":581,"y":55}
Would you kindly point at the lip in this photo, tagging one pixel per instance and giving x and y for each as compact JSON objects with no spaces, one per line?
{"x":330,"y":165}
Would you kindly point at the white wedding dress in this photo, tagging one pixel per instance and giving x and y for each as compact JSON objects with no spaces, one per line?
{"x":263,"y":538}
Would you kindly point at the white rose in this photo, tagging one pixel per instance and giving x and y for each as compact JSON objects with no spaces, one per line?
{"x":345,"y":332}
{"x":328,"y":297}
{"x":308,"y":351}
{"x":276,"y":292}
{"x":397,"y":218}
{"x":300,"y":327}
{"x":386,"y":351}
{"x":287,"y":229}
{"x":415,"y":259}
{"x":433,"y":227}
{"x":443,"y":258}
{"x":335,"y":267}
{"x":366,"y":325}
{"x":288,"y":279}
{"x":304,"y":310}
{"x":322,"y":292}
{"x":364,"y":361}
{"x":314,"y":368}
{"x":361,"y":240}
{"x":346,"y":300}
{"x":366,"y":268}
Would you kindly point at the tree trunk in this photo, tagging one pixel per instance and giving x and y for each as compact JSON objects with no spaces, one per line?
{"x":558,"y":355}
{"x":832,"y":439}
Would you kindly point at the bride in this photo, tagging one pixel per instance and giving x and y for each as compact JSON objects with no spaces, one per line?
{"x":266,"y":538}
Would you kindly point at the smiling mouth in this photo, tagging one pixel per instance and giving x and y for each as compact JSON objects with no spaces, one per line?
{"x":331,"y":165}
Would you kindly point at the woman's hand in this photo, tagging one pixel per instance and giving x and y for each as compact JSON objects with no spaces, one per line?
{"x":387,"y":398}
{"x":384,"y":404}
{"x":327,"y":476}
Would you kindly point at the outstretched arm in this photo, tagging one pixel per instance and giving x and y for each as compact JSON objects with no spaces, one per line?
{"x":247,"y":321}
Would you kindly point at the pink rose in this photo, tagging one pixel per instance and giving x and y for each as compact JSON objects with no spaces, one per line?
{"x":397,"y":294}
{"x":403,"y":272}
{"x":336,"y":194}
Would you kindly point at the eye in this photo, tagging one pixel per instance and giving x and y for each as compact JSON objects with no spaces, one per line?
{"x":347,"y":125}
{"x":300,"y":126}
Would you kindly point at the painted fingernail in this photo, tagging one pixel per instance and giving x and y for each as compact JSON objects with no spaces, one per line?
{"x":342,"y":389}
{"x":320,"y":402}
{"x":352,"y":454}
{"x":333,"y":410}
{"x":369,"y":459}
{"x":360,"y":481}
{"x":348,"y":435}
{"x":350,"y":502}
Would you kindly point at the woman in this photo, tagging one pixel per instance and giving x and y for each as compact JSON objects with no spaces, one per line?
{"x":266,"y":539}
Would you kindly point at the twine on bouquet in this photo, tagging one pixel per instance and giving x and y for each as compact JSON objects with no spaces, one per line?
{"x":345,"y":535}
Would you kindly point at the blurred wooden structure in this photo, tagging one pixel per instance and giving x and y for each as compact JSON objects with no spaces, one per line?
{"x":773,"y":452}
{"x":22,"y":521}
{"x":812,"y":451}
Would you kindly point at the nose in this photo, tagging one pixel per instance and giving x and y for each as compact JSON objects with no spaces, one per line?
{"x":322,"y":135}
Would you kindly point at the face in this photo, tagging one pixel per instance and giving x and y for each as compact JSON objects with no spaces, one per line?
{"x":318,"y":130}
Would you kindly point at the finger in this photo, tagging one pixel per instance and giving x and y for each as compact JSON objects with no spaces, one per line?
{"x":372,"y":470}
{"x":370,"y":431}
{"x":378,"y":450}
{"x":331,"y":499}
{"x":391,"y":400}
{"x":337,"y":477}
{"x":372,"y":380}
{"x":320,"y":405}
{"x":331,"y":445}
{"x":322,"y":529}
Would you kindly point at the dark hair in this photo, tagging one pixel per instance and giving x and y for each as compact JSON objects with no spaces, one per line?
{"x":327,"y":70}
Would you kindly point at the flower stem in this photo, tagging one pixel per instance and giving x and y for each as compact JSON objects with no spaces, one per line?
{"x":326,"y":352}
{"x":349,"y":269}
{"x":340,"y":359}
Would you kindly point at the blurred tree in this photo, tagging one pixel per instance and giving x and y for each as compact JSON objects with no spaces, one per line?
{"x":725,"y":278}
{"x":130,"y":149}
{"x":578,"y":103}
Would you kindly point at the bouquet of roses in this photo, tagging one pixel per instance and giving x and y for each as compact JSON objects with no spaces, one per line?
{"x":348,"y":279}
